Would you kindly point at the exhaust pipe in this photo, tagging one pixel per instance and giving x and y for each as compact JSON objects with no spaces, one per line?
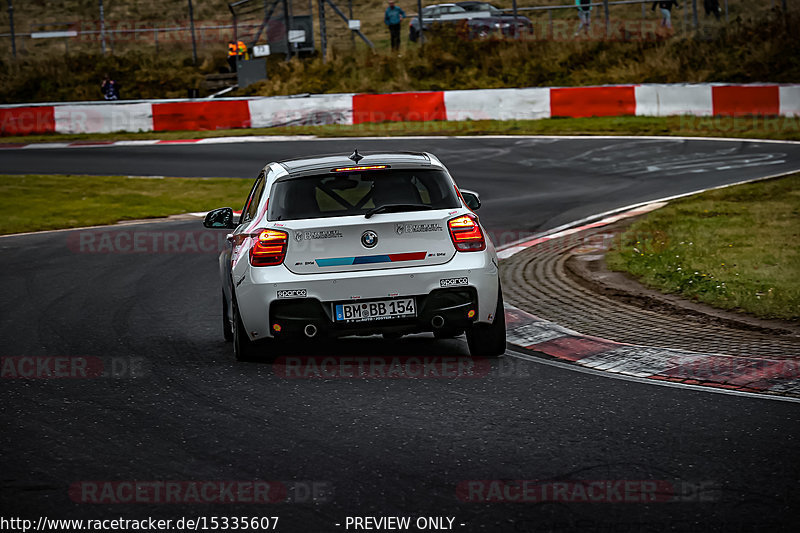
{"x":437,"y":321}
{"x":310,"y":331}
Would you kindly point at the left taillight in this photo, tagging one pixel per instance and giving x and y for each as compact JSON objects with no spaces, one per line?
{"x":466,"y":234}
{"x":269,"y":248}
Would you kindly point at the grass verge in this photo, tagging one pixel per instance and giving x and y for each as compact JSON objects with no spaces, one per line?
{"x":35,"y":202}
{"x":757,"y":127}
{"x":733,"y":248}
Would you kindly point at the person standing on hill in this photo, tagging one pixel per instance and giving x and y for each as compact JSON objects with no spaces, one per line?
{"x":666,"y":11}
{"x":236,"y":52}
{"x":109,"y":88}
{"x":392,"y":18}
{"x":232,"y":53}
{"x":584,"y":15}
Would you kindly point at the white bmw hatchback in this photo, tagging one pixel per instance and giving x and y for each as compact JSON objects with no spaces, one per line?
{"x":380,"y":243}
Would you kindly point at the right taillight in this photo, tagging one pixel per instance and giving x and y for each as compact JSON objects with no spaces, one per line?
{"x":466,"y":234}
{"x":269,"y":248}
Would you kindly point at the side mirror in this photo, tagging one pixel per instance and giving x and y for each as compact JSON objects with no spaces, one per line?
{"x":221,"y":218}
{"x":472,"y":199}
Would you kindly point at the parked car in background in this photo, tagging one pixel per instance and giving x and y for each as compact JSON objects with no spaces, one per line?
{"x":481,"y":19}
{"x":438,"y":14}
{"x":495,"y":20}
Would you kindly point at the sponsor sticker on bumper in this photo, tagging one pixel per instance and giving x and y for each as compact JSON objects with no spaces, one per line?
{"x":453,"y":282}
{"x":292,"y":293}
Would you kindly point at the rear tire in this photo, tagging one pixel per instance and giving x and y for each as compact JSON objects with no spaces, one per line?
{"x":243,"y":348}
{"x":227,"y":332}
{"x":489,"y":340}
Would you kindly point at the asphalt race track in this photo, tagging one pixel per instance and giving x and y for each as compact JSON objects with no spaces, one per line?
{"x":176,"y":408}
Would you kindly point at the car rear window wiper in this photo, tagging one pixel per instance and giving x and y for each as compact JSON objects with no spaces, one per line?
{"x":394,"y":208}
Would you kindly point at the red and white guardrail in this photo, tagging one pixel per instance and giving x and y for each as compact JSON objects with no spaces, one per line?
{"x":496,"y":104}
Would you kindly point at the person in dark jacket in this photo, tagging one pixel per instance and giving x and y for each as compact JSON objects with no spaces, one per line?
{"x":666,"y":11}
{"x":392,"y":18}
{"x":711,"y":7}
{"x":109,"y":88}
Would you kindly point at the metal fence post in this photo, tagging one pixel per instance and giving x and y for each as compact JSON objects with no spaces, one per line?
{"x":352,"y":33}
{"x":287,"y":27}
{"x":102,"y":28}
{"x":194,"y":41}
{"x":605,"y":11}
{"x":694,"y":14}
{"x":419,"y":19}
{"x":550,"y":23}
{"x":726,"y":11}
{"x":323,"y":37}
{"x":515,"y":19}
{"x":11,"y":24}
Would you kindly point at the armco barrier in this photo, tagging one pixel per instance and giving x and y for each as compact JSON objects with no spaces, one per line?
{"x":293,"y":111}
{"x":593,"y":102}
{"x":27,"y":120}
{"x":201,"y":115}
{"x":399,"y":107}
{"x":486,"y":104}
{"x":738,"y":101}
{"x":498,"y":104}
{"x":90,"y":118}
{"x":670,"y":100}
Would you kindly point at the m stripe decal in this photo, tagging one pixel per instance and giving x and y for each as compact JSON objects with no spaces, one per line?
{"x":371,"y":259}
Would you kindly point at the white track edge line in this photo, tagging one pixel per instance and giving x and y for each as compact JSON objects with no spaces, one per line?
{"x":599,"y":216}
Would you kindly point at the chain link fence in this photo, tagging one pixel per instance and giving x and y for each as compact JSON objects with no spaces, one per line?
{"x":178,"y":26}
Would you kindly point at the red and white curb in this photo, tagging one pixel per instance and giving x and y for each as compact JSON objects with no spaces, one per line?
{"x":743,"y":374}
{"x":733,"y":373}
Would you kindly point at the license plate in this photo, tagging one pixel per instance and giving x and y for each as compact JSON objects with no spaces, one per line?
{"x":381,"y":310}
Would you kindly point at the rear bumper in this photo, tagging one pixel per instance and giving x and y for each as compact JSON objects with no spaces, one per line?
{"x":442,"y":308}
{"x":270,"y":295}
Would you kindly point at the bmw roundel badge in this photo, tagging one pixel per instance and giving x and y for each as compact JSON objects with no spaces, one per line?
{"x":369,"y":239}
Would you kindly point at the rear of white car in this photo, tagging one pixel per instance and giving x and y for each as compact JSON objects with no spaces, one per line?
{"x":374,"y":244}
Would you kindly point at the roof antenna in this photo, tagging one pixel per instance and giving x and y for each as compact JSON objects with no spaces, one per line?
{"x":355,"y":156}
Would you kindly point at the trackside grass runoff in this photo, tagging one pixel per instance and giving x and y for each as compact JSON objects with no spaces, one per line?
{"x":734,"y":248}
{"x":35,"y":202}
{"x":754,"y":127}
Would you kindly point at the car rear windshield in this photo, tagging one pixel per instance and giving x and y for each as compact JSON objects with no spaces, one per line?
{"x":356,"y":193}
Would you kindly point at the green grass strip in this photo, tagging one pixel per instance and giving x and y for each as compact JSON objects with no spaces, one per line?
{"x":756,"y":127}
{"x":33,"y":202}
{"x":736,"y":248}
